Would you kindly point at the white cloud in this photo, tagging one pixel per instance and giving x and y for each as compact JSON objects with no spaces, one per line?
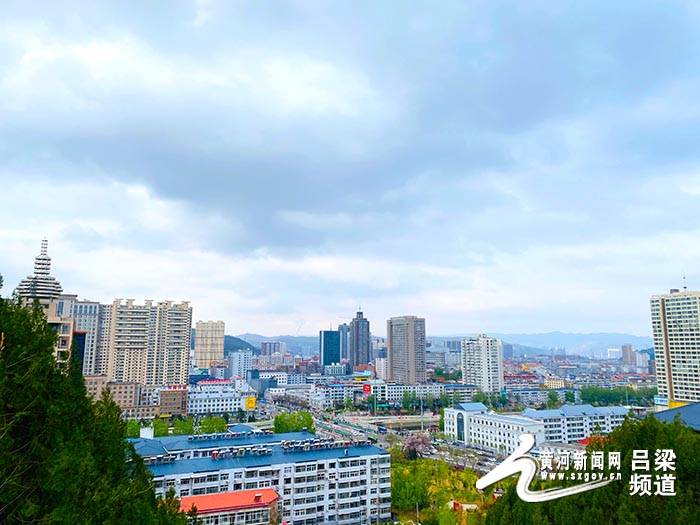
{"x":82,"y":74}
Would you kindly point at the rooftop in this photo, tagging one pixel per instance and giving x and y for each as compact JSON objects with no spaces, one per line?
{"x":151,"y":446}
{"x":278,"y":456}
{"x":227,"y":501}
{"x":688,"y":414}
{"x":472,"y":407}
{"x":575,"y":410}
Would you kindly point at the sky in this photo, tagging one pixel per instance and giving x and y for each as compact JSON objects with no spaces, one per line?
{"x":490,"y":166}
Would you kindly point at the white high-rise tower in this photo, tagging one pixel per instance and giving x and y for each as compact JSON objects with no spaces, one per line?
{"x":482,"y":363}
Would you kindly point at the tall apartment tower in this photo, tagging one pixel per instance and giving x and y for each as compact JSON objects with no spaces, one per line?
{"x":482,"y":363}
{"x":89,"y":317}
{"x":344,"y":330}
{"x":208,"y":343}
{"x":239,"y":363}
{"x":405,"y":343}
{"x":272,"y":347}
{"x":148,"y":343}
{"x":359,"y":341}
{"x":629,"y":356}
{"x":329,"y":347}
{"x":675,"y":321}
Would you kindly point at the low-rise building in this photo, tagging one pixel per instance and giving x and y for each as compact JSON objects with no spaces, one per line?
{"x":474,"y":425}
{"x":245,"y":507}
{"x":220,"y":397}
{"x":394,"y":392}
{"x":317,"y":480}
{"x":572,"y":423}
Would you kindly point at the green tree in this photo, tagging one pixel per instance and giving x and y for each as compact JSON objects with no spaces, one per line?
{"x":569,"y":397}
{"x":133,"y":428}
{"x":480,"y":397}
{"x":349,"y":405}
{"x":161,"y":427}
{"x":552,"y":399}
{"x":212,"y":425}
{"x":183,"y":426}
{"x":613,"y":503}
{"x":371,"y":402}
{"x":294,"y":422}
{"x":59,"y":449}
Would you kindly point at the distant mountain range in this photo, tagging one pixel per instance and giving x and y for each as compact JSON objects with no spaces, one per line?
{"x":304,"y":345}
{"x":585,"y":344}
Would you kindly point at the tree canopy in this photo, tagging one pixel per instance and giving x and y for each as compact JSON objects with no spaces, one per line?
{"x":617,"y":396}
{"x":294,"y":422}
{"x":613,"y":503}
{"x":63,"y":457}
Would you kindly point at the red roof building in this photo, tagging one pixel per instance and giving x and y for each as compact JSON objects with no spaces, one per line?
{"x":252,"y":507}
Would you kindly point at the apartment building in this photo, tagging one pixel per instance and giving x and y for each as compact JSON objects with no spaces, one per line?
{"x":474,"y":425}
{"x":405,"y":345}
{"x":149,"y":343}
{"x":318,"y":481}
{"x":675,"y":321}
{"x":572,"y":423}
{"x":208,"y":343}
{"x":239,"y":363}
{"x":394,"y":392}
{"x":220,"y":397}
{"x":482,"y":363}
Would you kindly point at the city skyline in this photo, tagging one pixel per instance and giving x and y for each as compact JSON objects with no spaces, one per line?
{"x":512,"y":170}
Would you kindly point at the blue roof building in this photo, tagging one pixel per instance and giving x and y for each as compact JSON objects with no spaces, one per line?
{"x":323,"y":480}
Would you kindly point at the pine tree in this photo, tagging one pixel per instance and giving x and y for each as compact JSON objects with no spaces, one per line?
{"x":63,"y":457}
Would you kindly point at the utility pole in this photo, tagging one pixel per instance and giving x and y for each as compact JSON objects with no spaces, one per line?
{"x":421,"y":414}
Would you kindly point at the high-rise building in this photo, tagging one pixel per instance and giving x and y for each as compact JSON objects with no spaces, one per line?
{"x":629,"y":356}
{"x":149,"y":343}
{"x":344,"y":330}
{"x":41,"y":285}
{"x":360,"y":341}
{"x":675,"y":321}
{"x":239,"y":363}
{"x":381,"y":369}
{"x":272,"y":347}
{"x":208,"y":343}
{"x":482,"y":363}
{"x":43,"y":288}
{"x":89,"y":317}
{"x":405,"y":342}
{"x":329,"y":347}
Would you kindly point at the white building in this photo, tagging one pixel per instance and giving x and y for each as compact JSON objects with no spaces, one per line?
{"x":88,"y":317}
{"x":318,"y":481}
{"x":335,"y":369}
{"x":572,"y":423}
{"x":220,"y":397}
{"x":473,"y":425}
{"x":675,"y":321}
{"x":482,"y":363}
{"x":381,"y":368}
{"x":239,"y":363}
{"x":394,"y":392}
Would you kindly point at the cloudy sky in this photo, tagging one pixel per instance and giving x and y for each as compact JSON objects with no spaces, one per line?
{"x":511,"y":167}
